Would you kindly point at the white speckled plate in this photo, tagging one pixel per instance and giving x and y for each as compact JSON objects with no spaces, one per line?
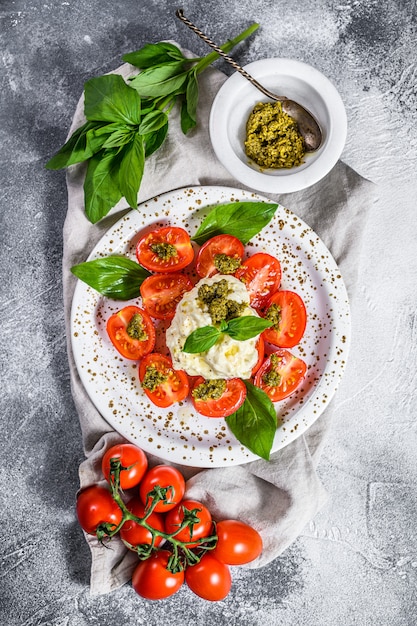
{"x":179,"y":434}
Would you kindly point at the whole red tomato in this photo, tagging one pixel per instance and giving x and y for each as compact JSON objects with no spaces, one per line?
{"x":96,"y":506}
{"x":133,"y":534}
{"x":167,"y":477}
{"x":237,"y":542}
{"x":210,"y":579}
{"x":201,"y":528}
{"x":152,"y":580}
{"x":131,"y":457}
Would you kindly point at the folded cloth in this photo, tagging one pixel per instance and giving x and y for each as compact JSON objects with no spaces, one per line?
{"x":278,"y":497}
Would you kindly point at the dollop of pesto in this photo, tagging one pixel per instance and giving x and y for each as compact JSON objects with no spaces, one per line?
{"x":219,"y":306}
{"x":273,"y":315}
{"x":273,"y":138}
{"x":153,"y":378}
{"x":163,"y":250}
{"x":272,"y":377}
{"x":136,"y":329}
{"x":226,"y":264}
{"x":210,"y":389}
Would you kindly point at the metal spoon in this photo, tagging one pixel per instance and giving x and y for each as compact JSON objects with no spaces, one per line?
{"x":307,"y":124}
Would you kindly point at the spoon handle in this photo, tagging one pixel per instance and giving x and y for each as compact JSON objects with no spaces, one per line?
{"x":180,"y":14}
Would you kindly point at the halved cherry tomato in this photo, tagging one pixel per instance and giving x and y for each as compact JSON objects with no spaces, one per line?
{"x":209,"y":578}
{"x":162,"y":292}
{"x":221,"y":244}
{"x":229,"y":402}
{"x":201,"y":528}
{"x":173,"y":389}
{"x":292,"y":319}
{"x":287,"y":370}
{"x":133,"y":534}
{"x":261,"y":274}
{"x":132,"y":458}
{"x":237,"y":542}
{"x":165,"y":249}
{"x":95,"y":506}
{"x":166,"y":477}
{"x":153,"y":581}
{"x":123,"y":327}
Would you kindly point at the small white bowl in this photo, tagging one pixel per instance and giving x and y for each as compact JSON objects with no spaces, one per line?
{"x":297,"y":81}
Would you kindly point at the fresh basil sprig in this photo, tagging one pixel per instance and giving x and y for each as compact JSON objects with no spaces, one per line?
{"x":254,"y":424}
{"x":243,"y":220}
{"x":115,"y":276}
{"x":128,"y":121}
{"x":239,"y":328}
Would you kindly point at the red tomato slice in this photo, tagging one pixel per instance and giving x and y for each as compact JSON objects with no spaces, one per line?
{"x":221,"y":244}
{"x":290,"y":371}
{"x":162,"y":292}
{"x":292,"y":320}
{"x":228,"y":403}
{"x":118,"y":331}
{"x":174,"y":389}
{"x":261,"y":274}
{"x":165,"y":249}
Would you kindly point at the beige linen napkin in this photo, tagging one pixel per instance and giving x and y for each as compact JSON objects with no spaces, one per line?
{"x":278,"y":497}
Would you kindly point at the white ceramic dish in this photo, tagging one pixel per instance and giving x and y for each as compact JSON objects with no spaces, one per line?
{"x":179,"y":434}
{"x":295,"y":80}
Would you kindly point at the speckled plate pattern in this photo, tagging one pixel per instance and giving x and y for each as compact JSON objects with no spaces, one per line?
{"x":179,"y":434}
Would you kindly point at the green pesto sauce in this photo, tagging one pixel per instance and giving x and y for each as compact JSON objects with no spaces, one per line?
{"x":153,"y":378}
{"x":273,"y":138}
{"x":219,"y":306}
{"x":226,"y":264}
{"x":272,"y":377}
{"x":136,"y":329}
{"x":210,"y":390}
{"x":164,"y":251}
{"x":273,"y":315}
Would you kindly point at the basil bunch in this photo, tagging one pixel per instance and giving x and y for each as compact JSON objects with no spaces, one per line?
{"x":127,"y":122}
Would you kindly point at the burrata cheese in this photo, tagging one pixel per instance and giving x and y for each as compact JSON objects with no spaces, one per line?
{"x":228,"y":358}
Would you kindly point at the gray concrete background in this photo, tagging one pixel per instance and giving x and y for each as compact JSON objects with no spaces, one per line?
{"x":356,"y":563}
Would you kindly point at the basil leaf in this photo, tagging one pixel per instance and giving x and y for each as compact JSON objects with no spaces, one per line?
{"x":189,"y":106}
{"x":152,"y":122}
{"x":254,"y":424}
{"x":154,"y":54}
{"x":75,"y":150}
{"x":201,"y":340}
{"x":244,"y":220}
{"x":109,"y":99}
{"x":131,"y":170}
{"x":154,"y":140}
{"x":115,"y":276}
{"x":161,"y":80}
{"x":246,"y":327}
{"x":119,"y":138}
{"x":101,"y":187}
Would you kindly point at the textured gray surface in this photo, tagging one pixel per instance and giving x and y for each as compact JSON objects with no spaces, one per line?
{"x":357,"y":561}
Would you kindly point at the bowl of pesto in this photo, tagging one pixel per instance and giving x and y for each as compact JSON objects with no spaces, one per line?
{"x":259,"y":144}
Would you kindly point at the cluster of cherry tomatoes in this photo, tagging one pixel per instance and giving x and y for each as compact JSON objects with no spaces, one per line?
{"x":176,"y":539}
{"x":161,"y":293}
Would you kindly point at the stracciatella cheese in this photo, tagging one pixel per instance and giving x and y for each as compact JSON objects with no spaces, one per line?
{"x":228,"y":358}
